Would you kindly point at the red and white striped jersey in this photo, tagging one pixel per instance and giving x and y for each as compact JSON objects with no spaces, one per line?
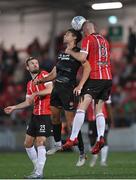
{"x":41,"y":104}
{"x":97,"y":49}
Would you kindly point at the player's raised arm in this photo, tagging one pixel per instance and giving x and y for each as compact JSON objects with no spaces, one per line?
{"x":51,"y":76}
{"x":22,"y":105}
{"x":80,"y":56}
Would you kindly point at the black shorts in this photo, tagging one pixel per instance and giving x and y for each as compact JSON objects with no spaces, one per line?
{"x":98,"y":89}
{"x":62,"y":96}
{"x":39,"y":125}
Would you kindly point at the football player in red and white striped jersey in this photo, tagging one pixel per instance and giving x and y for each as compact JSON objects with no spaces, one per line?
{"x":39,"y":127}
{"x":95,"y":49}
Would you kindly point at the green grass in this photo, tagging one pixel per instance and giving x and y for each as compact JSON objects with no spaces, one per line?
{"x":62,"y":166}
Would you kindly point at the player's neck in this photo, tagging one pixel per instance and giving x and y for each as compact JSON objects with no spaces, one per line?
{"x":34,"y":75}
{"x":90,"y":32}
{"x":71,"y":45}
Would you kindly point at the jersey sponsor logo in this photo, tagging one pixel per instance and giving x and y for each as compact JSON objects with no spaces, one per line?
{"x":64,"y":57}
{"x":42,"y":128}
{"x":102,"y":63}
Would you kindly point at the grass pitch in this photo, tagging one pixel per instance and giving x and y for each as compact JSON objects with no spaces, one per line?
{"x":62,"y":166}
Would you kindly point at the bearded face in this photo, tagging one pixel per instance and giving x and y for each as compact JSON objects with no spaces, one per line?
{"x":33,"y":66}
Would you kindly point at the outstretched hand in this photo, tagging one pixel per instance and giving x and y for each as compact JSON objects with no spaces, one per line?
{"x":9,"y":109}
{"x":78,"y":97}
{"x":77,"y":90}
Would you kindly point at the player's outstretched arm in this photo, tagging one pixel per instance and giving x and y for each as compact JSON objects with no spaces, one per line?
{"x":22,"y":105}
{"x":79,"y":56}
{"x":85,"y":75}
{"x":51,"y":76}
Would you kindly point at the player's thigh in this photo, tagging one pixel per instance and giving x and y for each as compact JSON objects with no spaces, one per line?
{"x":40,"y":140}
{"x":67,"y":99}
{"x":85,"y":102}
{"x":98,"y":107}
{"x":55,"y":115}
{"x":69,"y":115}
{"x":55,"y":100}
{"x":30,"y":132}
{"x":29,"y":141}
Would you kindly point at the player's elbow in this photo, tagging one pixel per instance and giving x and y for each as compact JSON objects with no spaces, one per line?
{"x":29,"y":102}
{"x":89,"y":68}
{"x":50,"y":89}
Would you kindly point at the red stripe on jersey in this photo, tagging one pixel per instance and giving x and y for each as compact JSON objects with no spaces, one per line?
{"x":98,"y":56}
{"x":41,"y":104}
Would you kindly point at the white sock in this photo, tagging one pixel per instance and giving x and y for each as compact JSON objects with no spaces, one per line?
{"x":100,"y":124}
{"x":77,"y":123}
{"x":32,"y":154}
{"x":41,"y":159}
{"x":58,"y":143}
{"x":104,"y":153}
{"x":94,"y":157}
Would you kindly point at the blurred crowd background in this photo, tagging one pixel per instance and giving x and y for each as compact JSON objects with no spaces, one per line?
{"x":45,"y":47}
{"x":13,"y":79}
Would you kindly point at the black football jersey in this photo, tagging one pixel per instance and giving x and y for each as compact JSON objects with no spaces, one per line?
{"x":67,"y":67}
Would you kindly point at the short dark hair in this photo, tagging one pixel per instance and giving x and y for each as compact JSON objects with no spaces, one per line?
{"x":29,"y":59}
{"x":77,"y":34}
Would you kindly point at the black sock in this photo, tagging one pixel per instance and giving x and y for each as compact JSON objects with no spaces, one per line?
{"x":80,"y":143}
{"x":57,"y":132}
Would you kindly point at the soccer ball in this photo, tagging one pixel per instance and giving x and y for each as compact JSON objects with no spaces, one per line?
{"x":77,"y":22}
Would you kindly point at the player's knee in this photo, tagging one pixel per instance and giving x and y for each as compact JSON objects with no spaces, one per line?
{"x":28,"y":144}
{"x":40,"y":142}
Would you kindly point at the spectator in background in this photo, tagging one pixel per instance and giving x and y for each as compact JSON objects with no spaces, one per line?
{"x":34,"y":49}
{"x":131,"y":45}
{"x":46,"y":62}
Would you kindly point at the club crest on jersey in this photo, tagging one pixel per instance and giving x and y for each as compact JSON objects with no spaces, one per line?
{"x":103,"y":51}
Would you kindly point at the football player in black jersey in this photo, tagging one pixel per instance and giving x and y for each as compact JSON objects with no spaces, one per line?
{"x":62,"y":96}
